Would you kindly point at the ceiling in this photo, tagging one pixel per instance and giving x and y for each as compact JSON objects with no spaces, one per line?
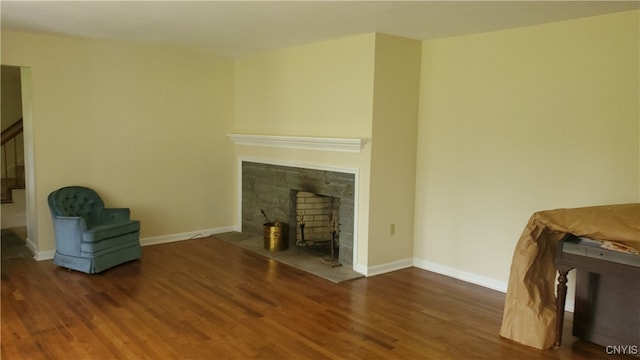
{"x":240,"y":28}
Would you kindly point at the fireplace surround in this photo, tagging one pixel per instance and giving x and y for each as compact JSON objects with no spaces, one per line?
{"x":273,"y":188}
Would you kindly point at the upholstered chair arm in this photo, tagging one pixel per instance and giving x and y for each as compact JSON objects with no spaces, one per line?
{"x":111,"y":214}
{"x":68,"y":231}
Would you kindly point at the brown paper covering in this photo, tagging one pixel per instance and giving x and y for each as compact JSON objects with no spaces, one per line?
{"x":530,"y":305}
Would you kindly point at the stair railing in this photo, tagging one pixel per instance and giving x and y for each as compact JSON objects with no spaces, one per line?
{"x":12,"y":154}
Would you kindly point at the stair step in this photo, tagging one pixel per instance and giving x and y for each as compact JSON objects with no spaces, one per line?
{"x":8,"y":185}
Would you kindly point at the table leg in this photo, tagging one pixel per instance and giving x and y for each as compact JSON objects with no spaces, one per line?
{"x":560,"y":302}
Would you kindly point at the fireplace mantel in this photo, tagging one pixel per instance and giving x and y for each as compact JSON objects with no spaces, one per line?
{"x":353,"y":145}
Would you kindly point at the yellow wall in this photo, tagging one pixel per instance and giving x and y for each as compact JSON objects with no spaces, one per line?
{"x":517,"y":121}
{"x":321,"y":89}
{"x":145,"y":126}
{"x":393,"y":149}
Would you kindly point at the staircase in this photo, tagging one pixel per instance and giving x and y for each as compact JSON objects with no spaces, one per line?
{"x":12,"y":160}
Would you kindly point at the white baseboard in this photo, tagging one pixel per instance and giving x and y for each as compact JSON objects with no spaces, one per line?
{"x":162,"y":239}
{"x":436,"y":268}
{"x":388,"y":267}
{"x":461,"y":275}
{"x":474,"y":278}
{"x":44,"y":255}
{"x":359,"y":268}
{"x":153,"y":240}
{"x":40,"y":255}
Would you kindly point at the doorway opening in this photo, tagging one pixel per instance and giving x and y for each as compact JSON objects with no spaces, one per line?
{"x":18,"y":213}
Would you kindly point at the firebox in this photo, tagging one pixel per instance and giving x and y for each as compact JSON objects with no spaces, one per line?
{"x":316,"y":218}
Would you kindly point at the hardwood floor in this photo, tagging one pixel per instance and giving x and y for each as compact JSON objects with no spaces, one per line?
{"x":207,"y":299}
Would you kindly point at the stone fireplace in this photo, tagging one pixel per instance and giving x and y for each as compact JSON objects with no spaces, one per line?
{"x":322,"y":200}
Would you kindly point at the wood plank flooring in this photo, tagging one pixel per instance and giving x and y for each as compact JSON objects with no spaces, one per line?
{"x":207,"y":299}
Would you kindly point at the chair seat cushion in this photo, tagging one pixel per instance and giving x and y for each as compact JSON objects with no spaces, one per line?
{"x":106,"y":231}
{"x":99,"y":248}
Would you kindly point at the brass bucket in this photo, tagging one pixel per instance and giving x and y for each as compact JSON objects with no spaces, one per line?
{"x":275,"y":236}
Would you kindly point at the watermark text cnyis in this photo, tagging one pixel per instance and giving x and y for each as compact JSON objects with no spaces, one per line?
{"x":621,"y":349}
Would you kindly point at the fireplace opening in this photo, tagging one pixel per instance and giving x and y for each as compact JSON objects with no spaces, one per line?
{"x":317,"y":224}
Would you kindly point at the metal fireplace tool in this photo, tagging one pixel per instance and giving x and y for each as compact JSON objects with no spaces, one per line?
{"x":330,"y":260}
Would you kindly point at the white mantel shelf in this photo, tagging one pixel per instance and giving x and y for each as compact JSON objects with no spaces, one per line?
{"x":353,"y":145}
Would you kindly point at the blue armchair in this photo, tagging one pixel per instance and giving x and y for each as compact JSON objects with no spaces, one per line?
{"x":89,"y":237}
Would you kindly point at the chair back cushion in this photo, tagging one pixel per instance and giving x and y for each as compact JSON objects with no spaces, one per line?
{"x":76,"y":201}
